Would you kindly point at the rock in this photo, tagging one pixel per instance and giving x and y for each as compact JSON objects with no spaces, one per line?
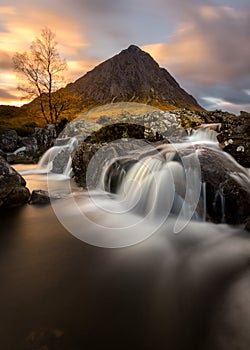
{"x":128,"y":137}
{"x":3,"y":154}
{"x":39,"y":197}
{"x":157,"y":124}
{"x":9,"y":141}
{"x":29,"y":149}
{"x":227,"y":187}
{"x":61,"y":161}
{"x":45,"y":136}
{"x":13,"y":190}
{"x":79,"y":127}
{"x":44,"y":197}
{"x":30,"y":143}
{"x":247,"y":224}
{"x":81,"y":160}
{"x":116,"y":157}
{"x":235,"y":138}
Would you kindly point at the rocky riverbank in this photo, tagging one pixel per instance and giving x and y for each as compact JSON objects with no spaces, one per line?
{"x":13,"y":190}
{"x":28,"y":149}
{"x":227,"y":192}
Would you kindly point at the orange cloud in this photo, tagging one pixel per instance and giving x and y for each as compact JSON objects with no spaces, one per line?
{"x":21,"y":27}
{"x":210,"y":48}
{"x":78,"y":68}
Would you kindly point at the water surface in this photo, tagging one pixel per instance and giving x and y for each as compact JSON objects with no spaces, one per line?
{"x":187,"y":291}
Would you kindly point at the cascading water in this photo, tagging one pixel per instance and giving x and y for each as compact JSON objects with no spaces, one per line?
{"x":64,"y":151}
{"x":185,"y":291}
{"x":148,"y":185}
{"x":57,"y":159}
{"x":157,"y":187}
{"x":151,"y":185}
{"x":203,"y":135}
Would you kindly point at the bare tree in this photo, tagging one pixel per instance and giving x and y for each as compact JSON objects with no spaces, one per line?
{"x":42,"y":68}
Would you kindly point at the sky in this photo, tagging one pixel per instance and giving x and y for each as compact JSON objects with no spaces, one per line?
{"x":205,"y":44}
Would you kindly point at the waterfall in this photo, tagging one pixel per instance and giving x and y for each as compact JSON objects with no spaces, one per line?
{"x":138,"y":186}
{"x":58,"y":159}
{"x":219,"y":205}
{"x":157,"y":187}
{"x":46,"y":161}
{"x":204,"y":135}
{"x":204,"y":196}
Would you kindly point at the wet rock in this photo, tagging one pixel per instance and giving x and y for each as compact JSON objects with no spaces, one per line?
{"x":247,"y":224}
{"x":13,"y":190}
{"x":61,"y":161}
{"x":45,"y":136}
{"x":28,"y":149}
{"x":235,"y":138}
{"x":45,"y":197}
{"x":9,"y":141}
{"x":116,"y":157}
{"x":39,"y":197}
{"x":81,"y":160}
{"x":3,"y":154}
{"x":30,"y":143}
{"x":227,"y":187}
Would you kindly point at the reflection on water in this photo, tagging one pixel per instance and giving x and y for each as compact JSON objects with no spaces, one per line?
{"x":187,"y":291}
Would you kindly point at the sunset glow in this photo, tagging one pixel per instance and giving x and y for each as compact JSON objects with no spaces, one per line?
{"x":203,"y":44}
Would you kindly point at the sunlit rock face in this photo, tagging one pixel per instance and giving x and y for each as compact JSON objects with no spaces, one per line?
{"x":13,"y":192}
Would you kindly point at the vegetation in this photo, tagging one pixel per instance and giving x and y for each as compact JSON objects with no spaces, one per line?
{"x":42,"y":68}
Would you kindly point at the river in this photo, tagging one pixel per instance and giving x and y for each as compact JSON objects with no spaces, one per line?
{"x":186,"y":291}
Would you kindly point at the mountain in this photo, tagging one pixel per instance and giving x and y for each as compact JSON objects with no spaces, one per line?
{"x":132,"y":75}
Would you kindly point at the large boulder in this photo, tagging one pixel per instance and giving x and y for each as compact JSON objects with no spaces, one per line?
{"x":227,"y":187}
{"x":112,"y":142}
{"x":235,"y":137}
{"x":9,"y":141}
{"x":45,"y":136}
{"x":13,"y":190}
{"x":81,"y":160}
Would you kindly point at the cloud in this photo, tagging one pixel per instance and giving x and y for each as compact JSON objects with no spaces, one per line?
{"x":21,"y":24}
{"x":5,"y":60}
{"x":7,"y":96}
{"x":209,"y":51}
{"x":211,"y":48}
{"x":203,"y":43}
{"x":212,"y":103}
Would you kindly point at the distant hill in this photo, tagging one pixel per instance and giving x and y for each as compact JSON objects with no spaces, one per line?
{"x":130,"y":76}
{"x":22,"y":119}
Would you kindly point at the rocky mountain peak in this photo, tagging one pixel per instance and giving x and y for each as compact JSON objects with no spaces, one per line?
{"x":133,"y":48}
{"x":132,"y":75}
